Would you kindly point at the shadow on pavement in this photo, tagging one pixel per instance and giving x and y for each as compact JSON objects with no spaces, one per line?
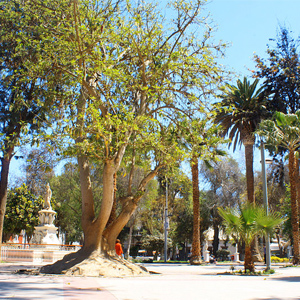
{"x":288,"y":279}
{"x":275,"y":298}
{"x":44,"y":287}
{"x":19,"y":290}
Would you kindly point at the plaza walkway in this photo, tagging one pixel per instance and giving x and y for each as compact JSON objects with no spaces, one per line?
{"x":170,"y":282}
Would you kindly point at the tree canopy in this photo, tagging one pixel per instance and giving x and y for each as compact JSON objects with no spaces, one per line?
{"x":124,"y":77}
{"x":21,"y":212}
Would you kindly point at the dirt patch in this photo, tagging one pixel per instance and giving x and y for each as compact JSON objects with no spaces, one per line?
{"x":97,"y":266}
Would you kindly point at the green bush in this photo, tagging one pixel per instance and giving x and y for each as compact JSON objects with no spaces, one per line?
{"x":223,"y":255}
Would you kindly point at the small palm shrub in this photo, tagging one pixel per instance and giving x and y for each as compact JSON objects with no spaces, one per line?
{"x":246,"y":223}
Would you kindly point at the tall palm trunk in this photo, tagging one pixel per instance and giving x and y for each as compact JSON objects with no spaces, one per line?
{"x":298,"y":186}
{"x":248,"y":264}
{"x":196,"y":246}
{"x":249,"y":169}
{"x":294,"y":206}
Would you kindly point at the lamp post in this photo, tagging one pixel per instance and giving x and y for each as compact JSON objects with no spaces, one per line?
{"x":265,"y":197}
{"x":166,"y":225}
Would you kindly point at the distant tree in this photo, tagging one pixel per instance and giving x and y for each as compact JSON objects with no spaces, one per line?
{"x":182,"y":234}
{"x":21,"y":212}
{"x":39,"y":167}
{"x":225,"y":185}
{"x":280,"y":73}
{"x":66,"y":192}
{"x":154,"y":243}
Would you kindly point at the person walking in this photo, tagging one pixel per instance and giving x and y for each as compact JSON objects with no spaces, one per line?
{"x":118,"y":248}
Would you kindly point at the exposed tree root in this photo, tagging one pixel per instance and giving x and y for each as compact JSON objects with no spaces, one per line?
{"x":78,"y":264}
{"x":195,"y":261}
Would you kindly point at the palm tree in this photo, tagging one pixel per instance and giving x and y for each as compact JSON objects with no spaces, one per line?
{"x":201,"y":138}
{"x":247,"y":223}
{"x":239,"y":113}
{"x":284,"y":131}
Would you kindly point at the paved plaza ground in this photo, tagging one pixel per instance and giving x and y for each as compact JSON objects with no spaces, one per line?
{"x":170,"y":282}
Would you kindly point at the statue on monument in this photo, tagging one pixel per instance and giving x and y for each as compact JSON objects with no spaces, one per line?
{"x":46,"y":232}
{"x":47,"y":199}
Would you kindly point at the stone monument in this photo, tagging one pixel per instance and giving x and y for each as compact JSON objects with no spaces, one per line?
{"x":46,"y":233}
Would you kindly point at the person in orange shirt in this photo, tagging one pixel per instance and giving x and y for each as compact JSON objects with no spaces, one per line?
{"x":118,"y":248}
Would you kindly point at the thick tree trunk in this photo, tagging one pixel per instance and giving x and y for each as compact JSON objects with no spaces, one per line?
{"x":92,"y":240}
{"x":294,"y":207}
{"x":113,"y":230}
{"x":113,"y":213}
{"x":248,"y":264}
{"x":12,"y":135}
{"x":196,"y":245}
{"x":129,"y":205}
{"x":3,"y":188}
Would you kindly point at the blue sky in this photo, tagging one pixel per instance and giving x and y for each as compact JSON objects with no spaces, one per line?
{"x":249,"y":24}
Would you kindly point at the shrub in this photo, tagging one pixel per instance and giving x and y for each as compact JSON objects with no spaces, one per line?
{"x":275,"y":259}
{"x":223,"y":255}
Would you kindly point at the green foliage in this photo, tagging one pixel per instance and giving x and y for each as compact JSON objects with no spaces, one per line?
{"x":285,"y":210}
{"x":280,"y":73}
{"x":241,"y":110}
{"x":39,"y":167}
{"x":21,"y":211}
{"x":66,"y":192}
{"x":29,"y":84}
{"x":249,"y":221}
{"x":131,"y":64}
{"x":223,"y":255}
{"x":154,"y":242}
{"x":183,"y":229}
{"x":283,"y":130}
{"x":125,"y":77}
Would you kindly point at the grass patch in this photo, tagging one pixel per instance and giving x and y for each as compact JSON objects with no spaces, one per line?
{"x":248,"y":273}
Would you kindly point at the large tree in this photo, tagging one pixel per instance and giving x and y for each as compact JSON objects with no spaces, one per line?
{"x":284,"y":131}
{"x":21,"y":212}
{"x":27,"y":89}
{"x":133,"y":75}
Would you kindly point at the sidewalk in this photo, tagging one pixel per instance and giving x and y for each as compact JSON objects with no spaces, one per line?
{"x":176,"y":282}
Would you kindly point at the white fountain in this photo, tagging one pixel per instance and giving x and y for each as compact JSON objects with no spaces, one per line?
{"x":46,"y":233}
